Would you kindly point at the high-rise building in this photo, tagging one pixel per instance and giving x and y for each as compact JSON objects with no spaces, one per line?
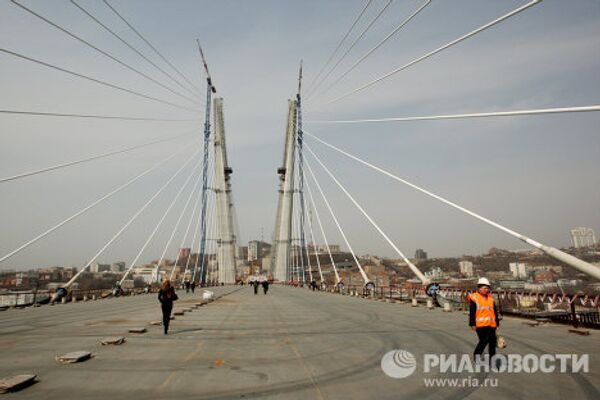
{"x":519,"y":270}
{"x":583,"y":237}
{"x":184,"y":253}
{"x":257,"y":249}
{"x":466,"y":268}
{"x":420,"y":254}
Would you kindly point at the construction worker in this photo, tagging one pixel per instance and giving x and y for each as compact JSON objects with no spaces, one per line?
{"x":483,"y":318}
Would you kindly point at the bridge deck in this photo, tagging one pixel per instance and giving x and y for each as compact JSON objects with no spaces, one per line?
{"x":291,"y":343}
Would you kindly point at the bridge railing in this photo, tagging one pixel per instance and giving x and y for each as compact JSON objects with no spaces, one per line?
{"x":577,"y":309}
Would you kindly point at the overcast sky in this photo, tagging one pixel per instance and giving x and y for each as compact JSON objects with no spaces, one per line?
{"x":539,"y":175}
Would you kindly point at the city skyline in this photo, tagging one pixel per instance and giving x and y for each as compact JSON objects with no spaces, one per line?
{"x":536,"y":174}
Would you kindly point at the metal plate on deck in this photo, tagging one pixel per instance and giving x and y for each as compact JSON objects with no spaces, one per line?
{"x":16,"y":382}
{"x":116,"y":340}
{"x":74,"y":357}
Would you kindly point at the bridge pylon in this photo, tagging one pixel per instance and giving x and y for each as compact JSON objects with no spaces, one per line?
{"x":283,"y":223}
{"x":226,"y":240}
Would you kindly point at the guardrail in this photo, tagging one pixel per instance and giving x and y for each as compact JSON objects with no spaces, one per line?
{"x":577,"y":309}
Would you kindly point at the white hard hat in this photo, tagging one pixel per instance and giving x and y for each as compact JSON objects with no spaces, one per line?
{"x":483,"y":281}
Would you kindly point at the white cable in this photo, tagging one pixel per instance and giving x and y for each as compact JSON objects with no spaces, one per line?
{"x":207,"y":228}
{"x":198,"y":221}
{"x":358,"y":39}
{"x":469,"y":115}
{"x":378,"y":45}
{"x":139,"y":254}
{"x":439,"y":49}
{"x":173,"y":235}
{"x":297,"y":252}
{"x":90,"y":206}
{"x":133,"y":218}
{"x":340,"y":44}
{"x":183,"y":212}
{"x":312,"y":236}
{"x":362,"y":272}
{"x":314,"y":207}
{"x":576,"y":263}
{"x":301,"y":234}
{"x":414,"y":269}
{"x":70,"y":163}
{"x":187,"y":230}
{"x":308,"y":263}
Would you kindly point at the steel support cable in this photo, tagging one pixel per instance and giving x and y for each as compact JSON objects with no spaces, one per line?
{"x":201,"y":248}
{"x":439,"y":49}
{"x":413,"y":267}
{"x":197,"y":227}
{"x":310,"y":274}
{"x":158,"y":225}
{"x":187,"y":229}
{"x":198,"y":224}
{"x":150,"y":45}
{"x":173,"y":232}
{"x":576,"y":263}
{"x":209,"y":203}
{"x":296,"y":251}
{"x":95,"y":116}
{"x":337,"y":223}
{"x":513,"y":113}
{"x":213,"y":221}
{"x":349,"y":49}
{"x":377,"y":46}
{"x":91,"y":205}
{"x":104,"y":53}
{"x":312,"y":236}
{"x":98,"y":81}
{"x":340,"y":44}
{"x":183,"y":212}
{"x":300,"y":228}
{"x":131,"y":220}
{"x":134,"y":49}
{"x":314,"y":207}
{"x":83,"y":160}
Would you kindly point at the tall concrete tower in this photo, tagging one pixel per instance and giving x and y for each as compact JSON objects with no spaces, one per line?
{"x":226,"y":255}
{"x":283,"y":223}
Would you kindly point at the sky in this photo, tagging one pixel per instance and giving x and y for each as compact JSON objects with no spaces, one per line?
{"x":538,"y":175}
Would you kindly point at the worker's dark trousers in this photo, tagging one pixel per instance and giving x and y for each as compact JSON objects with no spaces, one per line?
{"x":166,"y":311}
{"x":487,"y":337}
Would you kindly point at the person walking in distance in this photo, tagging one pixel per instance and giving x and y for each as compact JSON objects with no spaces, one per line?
{"x":483,"y":318}
{"x":166,"y":296}
{"x":265,"y":286}
{"x":255,"y":284}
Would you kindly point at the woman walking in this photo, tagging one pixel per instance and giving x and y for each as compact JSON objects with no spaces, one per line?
{"x":167,"y":296}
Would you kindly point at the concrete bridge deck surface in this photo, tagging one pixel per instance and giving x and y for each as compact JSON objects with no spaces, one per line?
{"x":289,"y":344}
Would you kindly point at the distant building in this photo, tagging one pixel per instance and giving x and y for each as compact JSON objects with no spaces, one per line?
{"x":334,"y":248}
{"x":434,"y":273}
{"x":118,"y":267}
{"x":184,"y":254}
{"x":420,"y":254}
{"x":583,"y":237}
{"x":257,"y":250}
{"x":544,"y":276}
{"x":519,"y":270}
{"x":97,"y":267}
{"x":466,"y":268}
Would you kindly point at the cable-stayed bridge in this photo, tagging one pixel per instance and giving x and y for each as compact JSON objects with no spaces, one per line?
{"x":314,"y":334}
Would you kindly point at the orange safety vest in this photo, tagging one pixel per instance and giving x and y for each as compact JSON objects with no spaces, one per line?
{"x":484,"y":316}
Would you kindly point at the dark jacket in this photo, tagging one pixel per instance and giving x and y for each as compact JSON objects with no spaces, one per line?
{"x":167,"y":297}
{"x":473,"y":310}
